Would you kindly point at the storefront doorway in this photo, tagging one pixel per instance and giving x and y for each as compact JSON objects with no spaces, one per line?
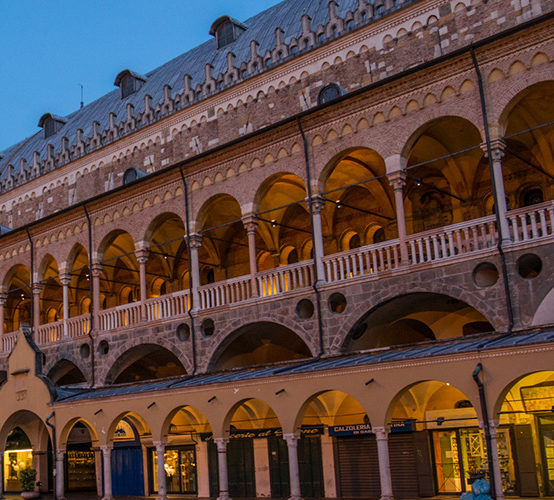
{"x":80,"y":462}
{"x":546,"y":431}
{"x":180,"y":470}
{"x":18,"y":456}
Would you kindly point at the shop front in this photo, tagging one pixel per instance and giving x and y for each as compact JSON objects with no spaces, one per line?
{"x":80,"y":461}
{"x":18,"y":456}
{"x":180,"y":470}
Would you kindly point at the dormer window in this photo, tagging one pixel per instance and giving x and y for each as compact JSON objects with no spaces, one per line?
{"x":51,"y":124}
{"x":129,"y":82}
{"x":226,"y":30}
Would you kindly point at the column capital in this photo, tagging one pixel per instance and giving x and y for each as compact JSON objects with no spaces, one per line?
{"x":221,"y":443}
{"x":250,"y":222}
{"x":65,"y":278}
{"x":195,"y":240}
{"x":36,"y":288}
{"x":381,"y":433}
{"x":60,"y":454}
{"x":159,"y":445}
{"x":498,"y":147}
{"x":96,"y":269}
{"x":291,"y":438}
{"x":142,"y":255}
{"x":397,"y":179}
{"x":318,"y":203}
{"x":106,"y":448}
{"x":3,"y":298}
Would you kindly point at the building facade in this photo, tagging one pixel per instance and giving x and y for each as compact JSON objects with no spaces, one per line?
{"x":307,"y":258}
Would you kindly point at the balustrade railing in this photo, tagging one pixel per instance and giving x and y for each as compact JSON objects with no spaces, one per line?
{"x":225,"y":292}
{"x":445,"y":243}
{"x":363,"y":261}
{"x":120,"y":316}
{"x":285,"y":279}
{"x":531,"y":223}
{"x":168,"y":306}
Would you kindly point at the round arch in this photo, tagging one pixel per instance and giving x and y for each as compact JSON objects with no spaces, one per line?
{"x":66,"y":372}
{"x":69,"y":425}
{"x":186,"y":419}
{"x":258,"y":343}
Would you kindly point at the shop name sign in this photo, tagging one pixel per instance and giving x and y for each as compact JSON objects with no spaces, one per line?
{"x":349,"y":430}
{"x":263,"y":433}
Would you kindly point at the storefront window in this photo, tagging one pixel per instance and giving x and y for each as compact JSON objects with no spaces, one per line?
{"x":180,"y":470}
{"x":547,"y":438}
{"x":81,"y":470}
{"x":14,"y":461}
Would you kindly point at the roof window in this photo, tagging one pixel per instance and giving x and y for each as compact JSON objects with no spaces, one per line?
{"x":132,"y":174}
{"x":51,"y":124}
{"x":129,"y":82}
{"x":226,"y":30}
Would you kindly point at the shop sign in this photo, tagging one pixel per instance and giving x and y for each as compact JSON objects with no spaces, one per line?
{"x":349,"y":430}
{"x":263,"y":433}
{"x":402,"y":425}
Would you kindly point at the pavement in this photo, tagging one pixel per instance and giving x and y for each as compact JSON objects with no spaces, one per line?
{"x":90,"y":496}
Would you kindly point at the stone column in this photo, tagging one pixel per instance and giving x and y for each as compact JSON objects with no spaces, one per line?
{"x":36,"y":288}
{"x":493,"y":429}
{"x":98,"y":470}
{"x":384,"y":463}
{"x":396,"y":173}
{"x":142,"y":259}
{"x":195,"y":243}
{"x":65,"y":279}
{"x":59,"y":476}
{"x":250,"y":224}
{"x":222,"y":467}
{"x":1,"y":474}
{"x":107,"y":460}
{"x":96,"y":272}
{"x":40,"y":464}
{"x":497,"y":153}
{"x":162,"y":484}
{"x":318,"y":203}
{"x":3,"y":298}
{"x":294,"y":471}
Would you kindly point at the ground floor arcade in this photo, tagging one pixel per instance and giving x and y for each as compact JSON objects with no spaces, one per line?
{"x":402,"y":424}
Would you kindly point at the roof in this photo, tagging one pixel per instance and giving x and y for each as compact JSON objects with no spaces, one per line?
{"x":261,"y":27}
{"x":477,"y":343}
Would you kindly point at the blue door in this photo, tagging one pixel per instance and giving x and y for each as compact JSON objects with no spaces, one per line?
{"x":127,"y":471}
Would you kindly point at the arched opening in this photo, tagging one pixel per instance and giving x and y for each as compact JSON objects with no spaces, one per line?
{"x":145,"y":362}
{"x":224,"y":251}
{"x":358,"y":196}
{"x":26,"y":442}
{"x":526,"y":428}
{"x":119,"y":281}
{"x":413,"y":318}
{"x":260,"y":343}
{"x":335,"y":420}
{"x":167,"y":256}
{"x":440,"y":427}
{"x":80,"y":281}
{"x":284,"y":224}
{"x":17,"y":309}
{"x":51,"y":295}
{"x":128,"y":432}
{"x":529,"y":152}
{"x":186,"y":430}
{"x":64,"y":372}
{"x":80,"y":459}
{"x":447,"y":176}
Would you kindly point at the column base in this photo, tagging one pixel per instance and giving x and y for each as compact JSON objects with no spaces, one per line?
{"x":107,"y":498}
{"x":161,"y":497}
{"x":387,"y":498}
{"x":296,"y":498}
{"x":224,"y":497}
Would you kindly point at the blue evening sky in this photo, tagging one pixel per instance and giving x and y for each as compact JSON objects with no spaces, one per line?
{"x":49,"y":47}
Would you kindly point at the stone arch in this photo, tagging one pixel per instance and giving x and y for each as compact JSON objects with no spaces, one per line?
{"x":138,"y":421}
{"x":66,"y":372}
{"x":256,"y":414}
{"x":68,"y":426}
{"x":194,"y":417}
{"x":131,"y":363}
{"x":258,"y":343}
{"x":430,"y":305}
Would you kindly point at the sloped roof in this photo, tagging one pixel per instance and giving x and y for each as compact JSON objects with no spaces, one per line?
{"x":261,"y":27}
{"x":451,"y":347}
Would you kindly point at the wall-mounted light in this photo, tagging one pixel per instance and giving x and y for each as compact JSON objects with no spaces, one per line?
{"x":280,"y":391}
{"x":338,"y":204}
{"x":151,"y":404}
{"x":99,"y":411}
{"x":370,"y":381}
{"x":440,"y":421}
{"x":273,"y":223}
{"x":211,"y":399}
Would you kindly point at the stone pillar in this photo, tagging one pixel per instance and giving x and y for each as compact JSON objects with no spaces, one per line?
{"x":261,"y":468}
{"x":1,"y":474}
{"x":328,"y":459}
{"x":36,"y":288}
{"x":222,"y":467}
{"x":59,"y":476}
{"x":396,"y":173}
{"x":3,"y":298}
{"x":384,"y":463}
{"x":294,"y":471}
{"x":142,"y":259}
{"x":497,"y":153}
{"x":65,"y":279}
{"x":162,"y":484}
{"x":318,"y":203}
{"x":195,"y":243}
{"x":98,"y":470}
{"x":203,"y":469}
{"x":107,"y":460}
{"x":40,"y":464}
{"x":493,"y":429}
{"x":250,"y":224}
{"x":96,"y":272}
